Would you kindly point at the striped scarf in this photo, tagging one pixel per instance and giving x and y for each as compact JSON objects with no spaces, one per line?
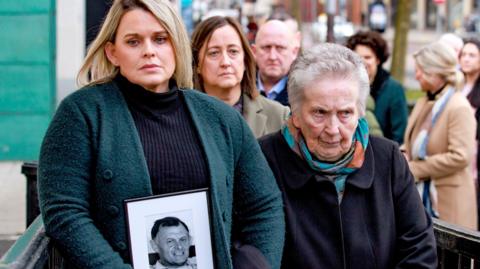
{"x":338,"y":170}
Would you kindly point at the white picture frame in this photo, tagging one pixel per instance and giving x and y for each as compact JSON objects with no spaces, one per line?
{"x":191,"y":208}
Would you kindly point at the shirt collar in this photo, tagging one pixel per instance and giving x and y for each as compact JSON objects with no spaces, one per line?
{"x":276,"y":89}
{"x":188,"y":265}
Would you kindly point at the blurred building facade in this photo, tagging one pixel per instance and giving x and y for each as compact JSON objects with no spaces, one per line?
{"x":426,"y":14}
{"x":68,"y":25}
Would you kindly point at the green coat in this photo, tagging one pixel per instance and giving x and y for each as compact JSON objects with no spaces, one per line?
{"x":92,"y":159}
{"x":373,"y":126}
{"x":391,"y":110}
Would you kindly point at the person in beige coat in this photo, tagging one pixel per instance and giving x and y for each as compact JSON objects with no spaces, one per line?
{"x":440,"y":137}
{"x":264,"y":116}
{"x":224,"y":67}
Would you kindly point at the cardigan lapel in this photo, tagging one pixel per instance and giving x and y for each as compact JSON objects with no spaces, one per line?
{"x":252,"y":113}
{"x":134,"y":148}
{"x":413,"y":118}
{"x":209,"y":145}
{"x":218,"y":181}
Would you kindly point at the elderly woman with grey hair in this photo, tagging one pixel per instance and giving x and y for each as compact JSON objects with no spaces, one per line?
{"x":350,"y":199}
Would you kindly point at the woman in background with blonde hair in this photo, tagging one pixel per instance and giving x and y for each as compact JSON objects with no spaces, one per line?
{"x":136,"y":130}
{"x":440,"y":136}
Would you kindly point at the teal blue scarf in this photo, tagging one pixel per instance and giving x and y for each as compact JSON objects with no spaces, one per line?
{"x":338,"y":170}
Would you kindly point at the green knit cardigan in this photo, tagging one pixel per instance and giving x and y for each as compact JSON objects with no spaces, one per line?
{"x":92,"y":159}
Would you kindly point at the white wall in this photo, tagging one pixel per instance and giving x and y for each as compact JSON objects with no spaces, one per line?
{"x":70,"y":44}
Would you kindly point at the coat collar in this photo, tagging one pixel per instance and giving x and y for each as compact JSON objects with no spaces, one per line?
{"x":418,"y":114}
{"x":379,"y":81}
{"x":127,"y":125}
{"x":252,"y":113}
{"x":298,"y":173}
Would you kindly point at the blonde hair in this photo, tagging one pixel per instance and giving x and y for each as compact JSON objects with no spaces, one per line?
{"x":441,"y":60}
{"x":96,"y":67}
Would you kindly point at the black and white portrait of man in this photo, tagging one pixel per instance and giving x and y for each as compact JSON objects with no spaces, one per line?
{"x":171,"y":240}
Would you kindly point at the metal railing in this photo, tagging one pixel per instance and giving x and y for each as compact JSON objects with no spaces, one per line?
{"x":30,"y":251}
{"x":30,"y":172}
{"x":457,"y":247}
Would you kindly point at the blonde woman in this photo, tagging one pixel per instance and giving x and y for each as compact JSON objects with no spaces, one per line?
{"x":135,"y":130}
{"x":440,"y":136}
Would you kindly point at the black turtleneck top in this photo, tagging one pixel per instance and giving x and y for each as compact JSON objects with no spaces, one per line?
{"x":433,"y":95}
{"x":175,"y":159}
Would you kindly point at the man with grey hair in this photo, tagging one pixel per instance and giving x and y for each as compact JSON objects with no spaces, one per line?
{"x":276,"y":47}
{"x":350,"y":199}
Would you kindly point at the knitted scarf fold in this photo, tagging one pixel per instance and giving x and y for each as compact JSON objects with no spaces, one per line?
{"x":338,"y":170}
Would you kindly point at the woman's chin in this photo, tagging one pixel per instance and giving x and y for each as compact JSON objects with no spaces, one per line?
{"x":328,"y":156}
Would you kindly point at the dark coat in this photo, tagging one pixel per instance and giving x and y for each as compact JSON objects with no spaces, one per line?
{"x":380,"y":223}
{"x":92,"y":160}
{"x":391,"y":108}
{"x":282,"y":97}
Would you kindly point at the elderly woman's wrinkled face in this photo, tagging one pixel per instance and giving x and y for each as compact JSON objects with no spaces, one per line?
{"x":328,"y":117}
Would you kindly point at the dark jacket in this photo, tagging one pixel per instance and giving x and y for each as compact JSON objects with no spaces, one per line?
{"x":381,"y":222}
{"x":92,"y":160}
{"x":391,"y":109}
{"x":282,"y":97}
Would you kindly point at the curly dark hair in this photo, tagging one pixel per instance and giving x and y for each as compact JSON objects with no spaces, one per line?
{"x":373,"y":40}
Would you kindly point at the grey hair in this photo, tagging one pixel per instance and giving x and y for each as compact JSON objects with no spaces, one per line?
{"x":323,"y":62}
{"x":441,"y":60}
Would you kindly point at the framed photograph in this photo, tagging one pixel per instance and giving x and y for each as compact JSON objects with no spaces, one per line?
{"x":170,"y":231}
